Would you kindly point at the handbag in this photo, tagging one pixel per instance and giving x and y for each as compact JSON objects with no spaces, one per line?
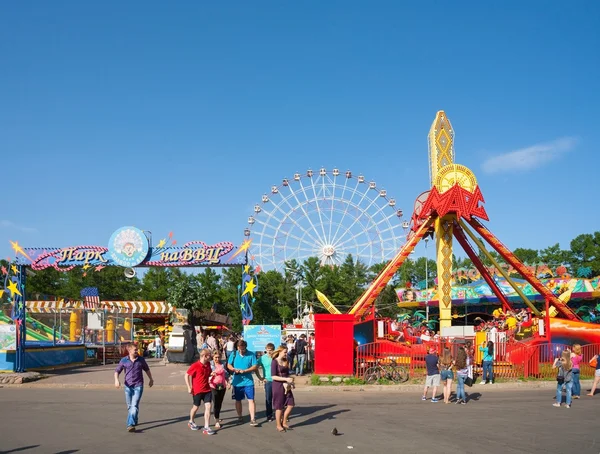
{"x":594,"y":361}
{"x":469,"y":381}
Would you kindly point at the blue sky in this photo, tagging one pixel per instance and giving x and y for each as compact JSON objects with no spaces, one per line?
{"x":178,"y":117}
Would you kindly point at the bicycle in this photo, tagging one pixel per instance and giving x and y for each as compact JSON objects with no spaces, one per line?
{"x":392,"y":372}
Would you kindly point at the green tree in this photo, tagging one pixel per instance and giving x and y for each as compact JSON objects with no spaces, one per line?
{"x":527,"y":256}
{"x":585,"y":252}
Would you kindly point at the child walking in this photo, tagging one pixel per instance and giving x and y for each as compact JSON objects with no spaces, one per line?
{"x":197,"y":380}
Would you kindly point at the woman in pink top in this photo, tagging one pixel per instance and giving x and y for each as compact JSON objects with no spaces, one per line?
{"x":218,"y":384}
{"x":576,"y":358}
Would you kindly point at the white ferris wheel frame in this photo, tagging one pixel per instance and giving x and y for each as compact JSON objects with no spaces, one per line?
{"x":272,"y":226}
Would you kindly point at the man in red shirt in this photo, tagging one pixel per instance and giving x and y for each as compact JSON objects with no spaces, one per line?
{"x":196,"y":379}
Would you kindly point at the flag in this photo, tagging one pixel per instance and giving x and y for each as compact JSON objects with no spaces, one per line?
{"x":91,"y":297}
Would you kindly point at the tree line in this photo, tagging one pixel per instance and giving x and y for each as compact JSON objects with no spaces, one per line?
{"x":278,"y":295}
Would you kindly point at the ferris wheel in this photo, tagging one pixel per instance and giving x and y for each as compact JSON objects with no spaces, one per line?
{"x":325,"y":214}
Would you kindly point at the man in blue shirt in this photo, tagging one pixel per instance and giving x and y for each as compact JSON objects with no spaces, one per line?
{"x":433,"y":374}
{"x":241,"y":364}
{"x":133,"y":365}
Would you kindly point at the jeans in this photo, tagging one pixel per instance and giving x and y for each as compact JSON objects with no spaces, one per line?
{"x":460,"y":387}
{"x":569,"y":386}
{"x":269,"y":398}
{"x":159,"y":351}
{"x":488,"y":371}
{"x":301,"y":358}
{"x":576,"y":384}
{"x":133,"y":395}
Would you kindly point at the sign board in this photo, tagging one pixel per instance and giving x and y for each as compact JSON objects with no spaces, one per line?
{"x":458,"y":331}
{"x":95,"y":320}
{"x":8,"y":337}
{"x":258,"y":336}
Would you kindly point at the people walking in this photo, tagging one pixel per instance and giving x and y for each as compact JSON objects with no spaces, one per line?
{"x":264,"y":375}
{"x":197,"y":381}
{"x":218,"y":385}
{"x":283,"y":397}
{"x":564,"y":377}
{"x":433,"y":374}
{"x":576,"y":358}
{"x":242,"y":363}
{"x":446,"y":374}
{"x":487,"y":352}
{"x":158,"y":345}
{"x":134,"y":366}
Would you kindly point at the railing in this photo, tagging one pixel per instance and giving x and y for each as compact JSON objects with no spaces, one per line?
{"x":513,"y":360}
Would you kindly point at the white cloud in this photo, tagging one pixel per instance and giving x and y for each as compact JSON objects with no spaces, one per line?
{"x":530,"y":157}
{"x":11,"y":225}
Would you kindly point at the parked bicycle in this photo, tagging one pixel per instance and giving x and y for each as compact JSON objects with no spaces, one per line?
{"x":392,"y":372}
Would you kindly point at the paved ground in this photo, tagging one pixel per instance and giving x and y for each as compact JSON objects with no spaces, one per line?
{"x":41,"y":420}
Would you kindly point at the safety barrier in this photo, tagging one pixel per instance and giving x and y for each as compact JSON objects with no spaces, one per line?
{"x":513,"y":360}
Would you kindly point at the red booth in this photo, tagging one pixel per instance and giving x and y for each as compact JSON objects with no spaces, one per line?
{"x":334,"y":341}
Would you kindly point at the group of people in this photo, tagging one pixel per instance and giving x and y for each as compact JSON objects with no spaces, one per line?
{"x":441,"y":371}
{"x":301,"y":350}
{"x":568,"y":367}
{"x":210,"y":377}
{"x":510,"y":322}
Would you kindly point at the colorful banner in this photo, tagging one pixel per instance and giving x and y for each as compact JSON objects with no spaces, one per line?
{"x":258,"y":336}
{"x":8,"y":337}
{"x":129,"y":247}
{"x":480,"y":293}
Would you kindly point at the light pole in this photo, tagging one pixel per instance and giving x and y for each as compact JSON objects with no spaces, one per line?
{"x":426,"y":280}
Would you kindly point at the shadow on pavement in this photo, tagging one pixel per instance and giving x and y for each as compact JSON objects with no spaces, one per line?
{"x":24,"y":448}
{"x":319,"y":418}
{"x":165,"y":422}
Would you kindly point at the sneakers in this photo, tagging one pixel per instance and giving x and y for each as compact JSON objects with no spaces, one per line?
{"x":483,"y":383}
{"x":556,"y":404}
{"x":208,"y":431}
{"x":463,"y":402}
{"x":130,"y":428}
{"x":434,"y":400}
{"x":193,"y":425}
{"x":423,"y":398}
{"x":567,"y":406}
{"x":218,"y":425}
{"x":458,"y":401}
{"x":253,"y":423}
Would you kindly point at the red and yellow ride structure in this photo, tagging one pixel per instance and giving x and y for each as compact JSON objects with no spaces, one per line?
{"x":453,"y":208}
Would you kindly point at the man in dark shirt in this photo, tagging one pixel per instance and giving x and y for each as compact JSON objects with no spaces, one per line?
{"x":433,"y":374}
{"x":133,"y":365}
{"x":300,"y":348}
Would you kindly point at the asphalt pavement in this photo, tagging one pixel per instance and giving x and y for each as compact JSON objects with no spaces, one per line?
{"x":43,"y":420}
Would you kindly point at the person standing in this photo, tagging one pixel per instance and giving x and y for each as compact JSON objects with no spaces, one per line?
{"x":242,"y":363}
{"x":487,"y":352}
{"x":462,"y":372}
{"x":576,"y":358}
{"x":564,"y":377}
{"x":595,"y":359}
{"x":197,"y":381}
{"x":300,"y":348}
{"x":134,"y":366}
{"x":229,"y":347}
{"x":211,"y":341}
{"x":446,"y":375}
{"x":283,"y":399}
{"x":433,"y":374}
{"x":264,"y":375}
{"x":218,"y":385}
{"x":158,"y":345}
{"x":291,"y":342}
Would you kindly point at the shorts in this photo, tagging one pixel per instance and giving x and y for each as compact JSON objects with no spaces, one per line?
{"x":206,"y":397}
{"x":597,"y":373}
{"x":239,"y":392}
{"x":432,"y":380}
{"x":447,"y":375}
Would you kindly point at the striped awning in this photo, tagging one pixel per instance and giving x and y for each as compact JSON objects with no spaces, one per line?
{"x":137,"y":307}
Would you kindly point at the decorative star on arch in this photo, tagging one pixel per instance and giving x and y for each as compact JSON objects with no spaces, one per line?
{"x":12,"y":287}
{"x":250,"y":285}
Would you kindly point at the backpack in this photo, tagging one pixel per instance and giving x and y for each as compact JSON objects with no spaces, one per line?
{"x":564,"y":376}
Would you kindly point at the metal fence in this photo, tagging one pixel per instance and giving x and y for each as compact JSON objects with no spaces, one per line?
{"x":512,"y":360}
